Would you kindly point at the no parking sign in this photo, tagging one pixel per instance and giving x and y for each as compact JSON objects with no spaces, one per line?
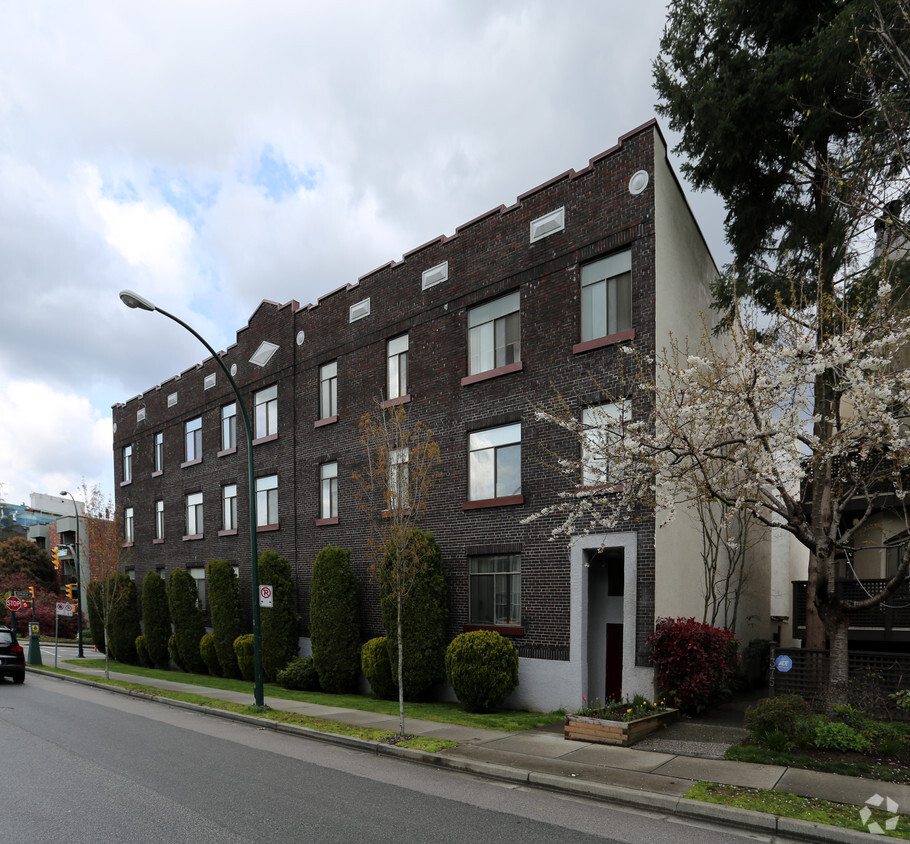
{"x":266,"y":597}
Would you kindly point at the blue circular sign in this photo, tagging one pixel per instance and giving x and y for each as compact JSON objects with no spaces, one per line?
{"x":783,"y":663}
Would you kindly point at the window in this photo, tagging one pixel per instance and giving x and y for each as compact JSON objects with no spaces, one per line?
{"x":494,"y":462}
{"x":194,"y":514}
{"x":398,"y":478}
{"x":159,"y":520}
{"x":397,"y":357}
{"x":127,"y":464}
{"x":266,"y":407}
{"x":606,"y":296}
{"x":229,"y":507}
{"x":128,"y":524}
{"x":229,"y":426}
{"x":328,"y":390}
{"x":328,"y":490}
{"x":494,"y":587}
{"x":494,"y":334}
{"x":267,"y":501}
{"x":603,"y":427}
{"x":194,"y":439}
{"x":159,"y":452}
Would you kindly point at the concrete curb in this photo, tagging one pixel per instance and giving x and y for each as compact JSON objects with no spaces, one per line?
{"x":730,"y":816}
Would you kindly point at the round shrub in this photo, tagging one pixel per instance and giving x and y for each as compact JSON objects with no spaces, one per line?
{"x":209,"y":654}
{"x":300,"y":674}
{"x":423,"y":615}
{"x":188,"y":625}
{"x":156,"y":619}
{"x":837,"y":736}
{"x":334,"y":623}
{"x":787,"y":714}
{"x":483,"y":668}
{"x":695,"y":662}
{"x":143,"y":650}
{"x":246,"y":659}
{"x":279,"y":622}
{"x":227,"y":613}
{"x":377,"y":667}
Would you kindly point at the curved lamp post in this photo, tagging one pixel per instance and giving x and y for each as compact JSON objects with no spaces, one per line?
{"x":134,"y":300}
{"x":78,"y":573}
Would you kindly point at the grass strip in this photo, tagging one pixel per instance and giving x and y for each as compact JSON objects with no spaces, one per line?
{"x":801,"y":808}
{"x":763,"y":756}
{"x":441,"y":712}
{"x":322,"y":725}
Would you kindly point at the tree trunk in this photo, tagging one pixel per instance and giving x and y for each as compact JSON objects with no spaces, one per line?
{"x":400,"y":670}
{"x":815,"y":628}
{"x":837,"y":626}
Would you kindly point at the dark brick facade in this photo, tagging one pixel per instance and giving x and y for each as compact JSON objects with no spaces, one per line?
{"x":488,"y":256}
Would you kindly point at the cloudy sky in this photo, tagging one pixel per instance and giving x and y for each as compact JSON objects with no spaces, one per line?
{"x":211,"y":155}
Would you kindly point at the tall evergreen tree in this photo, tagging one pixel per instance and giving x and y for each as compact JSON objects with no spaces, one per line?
{"x":123,"y":626}
{"x":156,"y":618}
{"x":280,"y":641}
{"x":227,"y":613}
{"x":334,"y":621}
{"x":182,"y":599}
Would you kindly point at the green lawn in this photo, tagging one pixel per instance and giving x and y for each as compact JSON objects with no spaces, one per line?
{"x":446,"y":713}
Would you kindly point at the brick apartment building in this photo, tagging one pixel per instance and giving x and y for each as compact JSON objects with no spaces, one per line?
{"x":472,"y":332}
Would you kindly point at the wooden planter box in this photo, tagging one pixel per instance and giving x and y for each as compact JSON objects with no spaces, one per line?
{"x":622,"y":733}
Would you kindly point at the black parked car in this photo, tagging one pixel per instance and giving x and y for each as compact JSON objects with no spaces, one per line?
{"x":12,"y":657}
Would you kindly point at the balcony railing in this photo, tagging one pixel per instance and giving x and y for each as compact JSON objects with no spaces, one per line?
{"x":893,"y":616}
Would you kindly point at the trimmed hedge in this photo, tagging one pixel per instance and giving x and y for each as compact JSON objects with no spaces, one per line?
{"x":377,"y":667}
{"x":123,"y":622}
{"x":695,"y":663}
{"x":227,"y":613}
{"x":334,"y":622}
{"x":188,"y":626}
{"x":244,"y":650}
{"x":95,"y":601}
{"x":209,"y":654}
{"x":482,"y":667}
{"x":156,"y":619}
{"x":280,"y":643}
{"x":300,"y":675}
{"x":423,"y":617}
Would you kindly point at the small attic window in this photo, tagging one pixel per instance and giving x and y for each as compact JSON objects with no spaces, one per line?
{"x":209,"y":382}
{"x":359,"y":311}
{"x":550,"y":223}
{"x":172,"y":400}
{"x":140,"y":414}
{"x":264,"y":353}
{"x":435,"y":275}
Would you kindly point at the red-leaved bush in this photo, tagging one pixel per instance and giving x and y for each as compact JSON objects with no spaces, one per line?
{"x":695,"y":662}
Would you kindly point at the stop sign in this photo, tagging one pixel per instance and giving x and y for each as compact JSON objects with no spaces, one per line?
{"x":13,"y":603}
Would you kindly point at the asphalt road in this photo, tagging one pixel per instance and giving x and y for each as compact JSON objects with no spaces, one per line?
{"x":90,"y":766}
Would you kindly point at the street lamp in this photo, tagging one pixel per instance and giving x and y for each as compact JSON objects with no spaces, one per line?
{"x":134,"y":300}
{"x":78,"y":573}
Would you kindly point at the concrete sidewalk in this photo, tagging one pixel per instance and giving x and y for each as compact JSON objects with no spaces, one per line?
{"x":646,"y":778}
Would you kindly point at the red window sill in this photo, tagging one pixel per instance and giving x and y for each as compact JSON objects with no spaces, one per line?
{"x":228,"y":451}
{"x":600,"y":342}
{"x":324,"y":522}
{"x":396,"y":401}
{"x":327,"y":421}
{"x":266,"y":439}
{"x":493,"y":502}
{"x":158,"y":474}
{"x":502,"y":629}
{"x":580,"y":490}
{"x":157,"y":541}
{"x":126,"y":483}
{"x":190,"y":462}
{"x":492,"y":373}
{"x":127,"y":545}
{"x":228,"y":532}
{"x":193,"y":536}
{"x":387,"y":514}
{"x":266,"y":528}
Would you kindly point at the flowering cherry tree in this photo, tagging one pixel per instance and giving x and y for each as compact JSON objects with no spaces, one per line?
{"x":790,"y":423}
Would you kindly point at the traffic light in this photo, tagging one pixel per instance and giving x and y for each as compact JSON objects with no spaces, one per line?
{"x":55,"y":560}
{"x":31,"y":591}
{"x":70,"y":589}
